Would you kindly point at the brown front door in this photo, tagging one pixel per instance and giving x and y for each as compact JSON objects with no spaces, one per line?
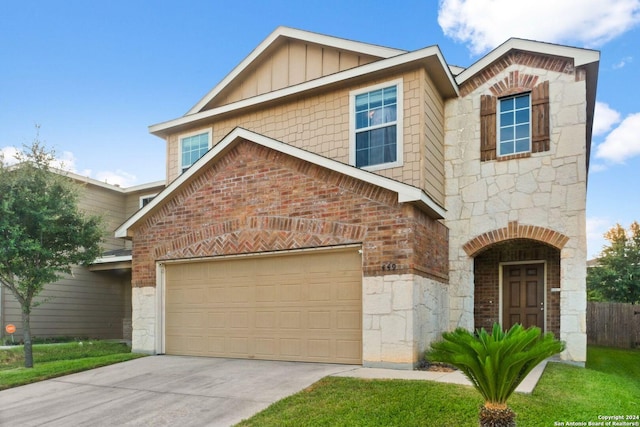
{"x":523,"y":297}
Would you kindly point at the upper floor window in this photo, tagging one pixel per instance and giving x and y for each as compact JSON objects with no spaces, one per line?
{"x":376,"y":123}
{"x":192,"y":147}
{"x":145,"y":200}
{"x":514,"y":125}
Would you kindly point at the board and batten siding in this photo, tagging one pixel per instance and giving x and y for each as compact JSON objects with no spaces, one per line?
{"x":290,"y":63}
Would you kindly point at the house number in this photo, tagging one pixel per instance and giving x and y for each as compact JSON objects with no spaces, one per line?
{"x":388,"y":266}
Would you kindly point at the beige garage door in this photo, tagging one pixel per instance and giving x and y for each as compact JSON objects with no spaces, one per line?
{"x":305,"y":306}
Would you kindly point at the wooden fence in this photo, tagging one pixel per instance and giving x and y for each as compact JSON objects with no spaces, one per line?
{"x":613,"y":324}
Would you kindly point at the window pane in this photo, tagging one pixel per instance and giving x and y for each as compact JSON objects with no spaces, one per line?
{"x":376,"y":138}
{"x":362,"y":120}
{"x":522,"y":116}
{"x":506,"y":134}
{"x":522,"y":101}
{"x":362,"y":140}
{"x":506,"y":119}
{"x":362,"y":158}
{"x":522,"y":146}
{"x":506,"y":104}
{"x":375,"y":99}
{"x":375,"y":117}
{"x":522,"y":131}
{"x":390,"y":95}
{"x":506,"y":148}
{"x":362,"y":102}
{"x":389,"y":114}
{"x":390,"y":148}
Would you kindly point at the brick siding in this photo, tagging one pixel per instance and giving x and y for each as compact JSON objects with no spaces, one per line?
{"x":486,"y":278}
{"x":252,"y":199}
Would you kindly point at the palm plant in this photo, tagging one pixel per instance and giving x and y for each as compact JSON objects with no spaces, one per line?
{"x":496,"y":363}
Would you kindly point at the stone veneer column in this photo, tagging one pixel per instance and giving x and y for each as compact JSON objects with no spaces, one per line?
{"x":143,"y":338}
{"x":402,"y":314}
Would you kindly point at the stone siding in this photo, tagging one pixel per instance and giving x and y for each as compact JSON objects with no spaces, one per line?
{"x":544,"y":191}
{"x":402,"y":315}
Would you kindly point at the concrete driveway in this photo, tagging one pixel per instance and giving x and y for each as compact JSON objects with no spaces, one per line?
{"x":160,"y":391}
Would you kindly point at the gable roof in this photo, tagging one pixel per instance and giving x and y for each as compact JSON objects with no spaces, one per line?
{"x":580,"y":56}
{"x":292,"y":33}
{"x":431,"y":57}
{"x":406,"y":193}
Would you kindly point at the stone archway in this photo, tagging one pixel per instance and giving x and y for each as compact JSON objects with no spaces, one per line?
{"x":496,"y":253}
{"x":515,"y":231}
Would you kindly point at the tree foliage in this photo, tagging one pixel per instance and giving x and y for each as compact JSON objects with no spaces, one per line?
{"x":495,"y":363}
{"x":43,"y":234}
{"x":616,"y":277}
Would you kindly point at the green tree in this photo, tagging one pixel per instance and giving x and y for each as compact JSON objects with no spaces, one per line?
{"x":495,"y":363}
{"x":43,"y":234}
{"x":616,"y":277}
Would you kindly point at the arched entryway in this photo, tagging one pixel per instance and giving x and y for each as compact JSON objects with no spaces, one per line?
{"x":517,"y":277}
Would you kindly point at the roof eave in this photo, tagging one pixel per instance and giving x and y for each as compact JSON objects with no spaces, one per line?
{"x":580,"y":56}
{"x":292,"y":33}
{"x":406,"y":193}
{"x":431,"y":57}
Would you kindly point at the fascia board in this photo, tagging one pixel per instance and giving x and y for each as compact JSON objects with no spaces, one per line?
{"x":113,"y":259}
{"x":406,"y":193}
{"x":383,"y":64}
{"x":580,"y":56}
{"x":293,"y":33}
{"x":144,"y":186}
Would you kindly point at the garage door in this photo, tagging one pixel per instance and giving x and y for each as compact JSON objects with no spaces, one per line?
{"x":305,"y":306}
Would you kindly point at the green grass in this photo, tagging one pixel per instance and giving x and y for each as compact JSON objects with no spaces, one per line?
{"x":54,"y":360}
{"x":610,"y":385}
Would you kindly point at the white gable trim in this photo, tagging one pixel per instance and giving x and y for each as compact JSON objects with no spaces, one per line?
{"x":432,"y":51}
{"x":286,"y":32}
{"x":580,"y":56}
{"x":406,"y":193}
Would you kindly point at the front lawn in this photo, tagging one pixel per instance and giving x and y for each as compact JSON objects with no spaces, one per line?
{"x":54,"y":360}
{"x":610,"y":385}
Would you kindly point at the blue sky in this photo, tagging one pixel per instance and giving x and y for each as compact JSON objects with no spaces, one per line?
{"x":95,"y":75}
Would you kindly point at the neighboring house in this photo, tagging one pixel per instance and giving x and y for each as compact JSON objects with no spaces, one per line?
{"x":95,"y":301}
{"x":336,"y":201}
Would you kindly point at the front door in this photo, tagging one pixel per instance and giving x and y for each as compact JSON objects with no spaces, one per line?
{"x":523,"y":297}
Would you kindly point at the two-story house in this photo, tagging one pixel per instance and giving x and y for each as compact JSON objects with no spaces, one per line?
{"x":95,"y":300}
{"x":336,"y":201}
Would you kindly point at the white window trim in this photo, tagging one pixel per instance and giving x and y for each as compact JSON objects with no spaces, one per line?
{"x":399,"y":125}
{"x":498,"y":114}
{"x":208,"y":131}
{"x":145,"y":196}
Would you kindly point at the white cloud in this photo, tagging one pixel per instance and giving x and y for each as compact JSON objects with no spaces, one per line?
{"x":8,"y":155}
{"x":119,"y":177}
{"x":623,"y":142}
{"x":484,"y":24}
{"x":596,"y":227}
{"x":624,"y":61}
{"x":604,"y":118}
{"x":66,"y":162}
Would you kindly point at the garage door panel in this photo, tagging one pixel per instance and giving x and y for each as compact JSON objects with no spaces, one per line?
{"x":305,"y":307}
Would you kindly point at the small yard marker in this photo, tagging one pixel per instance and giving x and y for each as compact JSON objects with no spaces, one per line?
{"x":11,"y":329}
